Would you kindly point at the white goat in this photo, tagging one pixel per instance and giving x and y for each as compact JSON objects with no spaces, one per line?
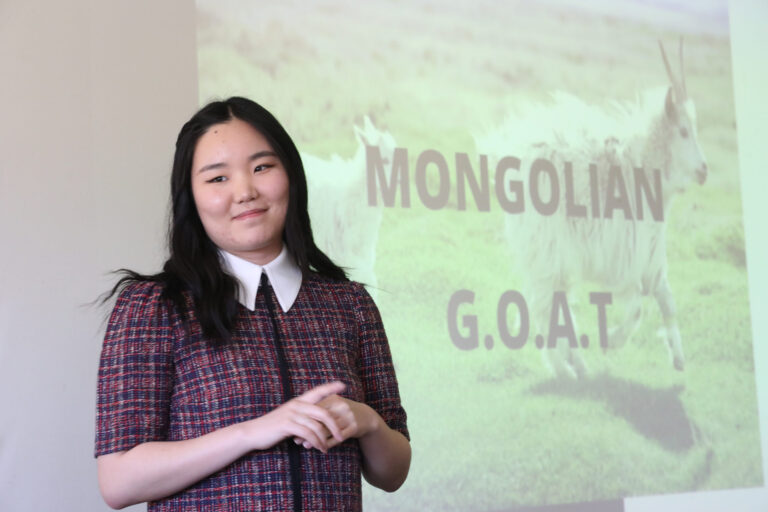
{"x":345,"y":227}
{"x":624,"y":255}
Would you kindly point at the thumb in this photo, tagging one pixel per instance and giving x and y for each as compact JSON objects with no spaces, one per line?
{"x":316,"y":394}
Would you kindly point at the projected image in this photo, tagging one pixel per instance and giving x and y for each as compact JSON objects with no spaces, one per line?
{"x":544,"y":200}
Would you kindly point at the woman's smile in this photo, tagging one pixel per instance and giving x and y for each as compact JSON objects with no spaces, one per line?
{"x":257,"y":212}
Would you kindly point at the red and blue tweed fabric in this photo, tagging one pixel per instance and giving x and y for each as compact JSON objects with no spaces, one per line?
{"x":159,"y":380}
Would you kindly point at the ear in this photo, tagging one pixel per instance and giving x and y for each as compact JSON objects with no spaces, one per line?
{"x":669,"y":105}
{"x":369,"y":125}
{"x":360,"y":134}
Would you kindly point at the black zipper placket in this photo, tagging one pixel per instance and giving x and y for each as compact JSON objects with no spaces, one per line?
{"x":294,"y":454}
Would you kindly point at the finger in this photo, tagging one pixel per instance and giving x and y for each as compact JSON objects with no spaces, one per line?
{"x":316,"y":394}
{"x":331,"y":424}
{"x":341,"y":415}
{"x":349,"y":429}
{"x":340,"y":408}
{"x":320,"y":415}
{"x":336,"y":405}
{"x":317,"y":427}
{"x":307,"y":432}
{"x":306,"y":444}
{"x":346,"y":433}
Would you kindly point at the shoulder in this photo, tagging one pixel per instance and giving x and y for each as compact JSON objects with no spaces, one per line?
{"x":349,"y":296}
{"x":141,"y":290}
{"x":142,"y":320}
{"x":346,"y":291}
{"x":142,"y":301}
{"x":140,"y":294}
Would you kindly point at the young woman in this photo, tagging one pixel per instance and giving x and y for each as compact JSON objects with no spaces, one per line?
{"x":250,"y":374}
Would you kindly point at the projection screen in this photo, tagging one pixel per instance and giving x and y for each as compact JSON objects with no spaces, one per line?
{"x":544,"y":199}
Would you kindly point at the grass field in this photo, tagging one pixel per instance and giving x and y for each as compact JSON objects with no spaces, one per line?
{"x":491,"y":429}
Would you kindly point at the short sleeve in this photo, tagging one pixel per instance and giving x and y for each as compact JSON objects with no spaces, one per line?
{"x":378,"y":372}
{"x":135,"y":372}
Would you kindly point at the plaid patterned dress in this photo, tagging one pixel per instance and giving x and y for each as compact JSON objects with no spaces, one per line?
{"x":159,"y":380}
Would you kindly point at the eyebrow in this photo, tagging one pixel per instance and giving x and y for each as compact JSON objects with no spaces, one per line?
{"x":219,"y":165}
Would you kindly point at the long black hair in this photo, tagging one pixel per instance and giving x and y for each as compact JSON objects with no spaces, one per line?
{"x":193,"y":265}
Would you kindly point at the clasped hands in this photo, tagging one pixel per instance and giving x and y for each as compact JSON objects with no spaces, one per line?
{"x":321,"y":419}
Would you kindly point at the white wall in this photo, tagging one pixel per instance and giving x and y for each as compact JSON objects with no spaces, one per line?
{"x":92,"y":94}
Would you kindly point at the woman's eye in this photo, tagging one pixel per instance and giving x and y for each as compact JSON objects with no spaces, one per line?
{"x":260,"y":168}
{"x":217,"y":179}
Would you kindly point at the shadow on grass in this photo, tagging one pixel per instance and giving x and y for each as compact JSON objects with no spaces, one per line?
{"x":657,"y":414}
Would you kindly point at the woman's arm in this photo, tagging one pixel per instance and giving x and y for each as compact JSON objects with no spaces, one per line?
{"x":386,"y":456}
{"x":386,"y":452}
{"x":379,"y":420}
{"x":154,"y":470}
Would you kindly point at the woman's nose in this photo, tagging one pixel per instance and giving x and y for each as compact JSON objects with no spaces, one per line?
{"x":245,"y":189}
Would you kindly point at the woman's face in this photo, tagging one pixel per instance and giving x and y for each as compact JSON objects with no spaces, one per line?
{"x":240,"y":189}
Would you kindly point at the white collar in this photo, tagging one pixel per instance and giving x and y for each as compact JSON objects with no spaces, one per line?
{"x":283,"y":274}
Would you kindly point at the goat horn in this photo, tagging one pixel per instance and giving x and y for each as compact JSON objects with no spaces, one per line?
{"x":682,"y":69}
{"x":675,"y":83}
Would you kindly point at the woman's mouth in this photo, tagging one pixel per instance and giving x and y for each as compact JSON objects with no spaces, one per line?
{"x":249,"y":214}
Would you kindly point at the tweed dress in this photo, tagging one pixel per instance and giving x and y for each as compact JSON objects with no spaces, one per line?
{"x":159,"y":380}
